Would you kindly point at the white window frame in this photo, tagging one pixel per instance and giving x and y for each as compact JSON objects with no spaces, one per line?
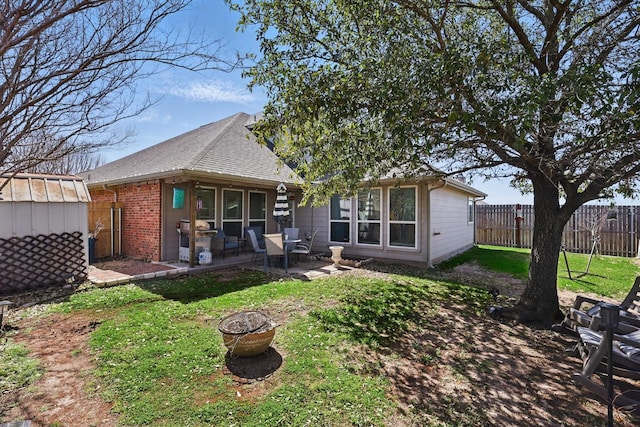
{"x":367,"y":220}
{"x":392,"y":221}
{"x":471,"y":210}
{"x":348,"y":202}
{"x":263,"y":221}
{"x":211,"y":221}
{"x":224,"y":208}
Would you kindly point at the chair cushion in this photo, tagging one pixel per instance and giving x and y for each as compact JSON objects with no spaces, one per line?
{"x":626,"y":355}
{"x":587,"y":336}
{"x":633,"y":351}
{"x":581,"y":318}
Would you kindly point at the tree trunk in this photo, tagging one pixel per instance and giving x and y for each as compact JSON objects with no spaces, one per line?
{"x":539,"y":301}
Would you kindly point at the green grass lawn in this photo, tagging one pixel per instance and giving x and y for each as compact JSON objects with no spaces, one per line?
{"x":607,"y":275}
{"x":161,"y":361}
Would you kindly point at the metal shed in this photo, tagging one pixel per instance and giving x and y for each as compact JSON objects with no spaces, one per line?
{"x":43,"y":231}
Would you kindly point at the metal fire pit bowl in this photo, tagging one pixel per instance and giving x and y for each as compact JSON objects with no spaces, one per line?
{"x":247,"y":333}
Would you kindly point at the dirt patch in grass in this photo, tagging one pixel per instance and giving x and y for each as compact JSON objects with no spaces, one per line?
{"x":471,"y":370}
{"x":66,"y":393}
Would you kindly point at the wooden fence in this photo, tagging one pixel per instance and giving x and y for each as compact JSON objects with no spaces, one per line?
{"x":109,"y":240}
{"x":497,"y":225}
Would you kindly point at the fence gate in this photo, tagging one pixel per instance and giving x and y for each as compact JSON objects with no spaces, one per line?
{"x":107,"y":215}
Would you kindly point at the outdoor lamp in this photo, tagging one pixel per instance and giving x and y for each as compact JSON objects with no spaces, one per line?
{"x":609,"y":315}
{"x":4,"y":307}
{"x":610,"y":318}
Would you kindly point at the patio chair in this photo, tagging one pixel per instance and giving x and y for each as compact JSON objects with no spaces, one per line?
{"x":579,"y":316}
{"x":274,"y":245}
{"x":292,"y":233}
{"x":302,"y":249}
{"x":256,"y":248}
{"x":222,"y":243}
{"x":258,"y":232}
{"x":593,"y":348}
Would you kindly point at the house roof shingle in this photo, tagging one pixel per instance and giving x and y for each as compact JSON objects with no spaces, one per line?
{"x":225,"y":148}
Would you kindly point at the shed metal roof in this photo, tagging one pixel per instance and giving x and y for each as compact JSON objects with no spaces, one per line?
{"x":43,"y":189}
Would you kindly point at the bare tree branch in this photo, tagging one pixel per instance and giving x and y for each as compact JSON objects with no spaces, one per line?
{"x":69,"y":70}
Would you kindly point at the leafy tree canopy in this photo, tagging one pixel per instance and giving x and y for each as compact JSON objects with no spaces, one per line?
{"x":546,"y":88}
{"x":545,"y":91}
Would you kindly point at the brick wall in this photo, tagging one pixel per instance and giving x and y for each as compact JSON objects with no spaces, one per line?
{"x":141,"y":217}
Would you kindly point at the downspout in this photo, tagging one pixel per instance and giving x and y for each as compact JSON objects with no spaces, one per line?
{"x":429,"y":190}
{"x":475,"y":225}
{"x":113,"y":225}
{"x":115,"y":193}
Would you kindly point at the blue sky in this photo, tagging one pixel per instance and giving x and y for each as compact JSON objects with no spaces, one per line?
{"x":189,"y":100}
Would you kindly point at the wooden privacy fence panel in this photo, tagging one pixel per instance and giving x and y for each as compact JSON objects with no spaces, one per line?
{"x":38,"y":262}
{"x":109,"y":241}
{"x":497,"y":225}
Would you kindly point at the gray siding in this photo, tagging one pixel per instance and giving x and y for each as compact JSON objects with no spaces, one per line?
{"x":21,"y":219}
{"x":451,"y":232}
{"x":443,"y":229}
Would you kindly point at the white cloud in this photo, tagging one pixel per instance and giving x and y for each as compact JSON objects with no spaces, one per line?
{"x":153,"y":116}
{"x":212,"y":91}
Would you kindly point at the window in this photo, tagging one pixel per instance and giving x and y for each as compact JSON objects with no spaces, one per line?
{"x":206,"y":205}
{"x":258,"y":210}
{"x":369,"y":217}
{"x":471,"y":211}
{"x":402,"y":217}
{"x":340,"y":219}
{"x":232,"y":212}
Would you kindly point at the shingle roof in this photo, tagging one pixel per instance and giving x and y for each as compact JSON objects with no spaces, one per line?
{"x":225,"y":148}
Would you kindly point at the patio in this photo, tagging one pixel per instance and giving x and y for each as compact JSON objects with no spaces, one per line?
{"x":114,"y":272}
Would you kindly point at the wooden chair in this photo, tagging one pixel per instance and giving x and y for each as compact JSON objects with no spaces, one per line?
{"x":579,"y":316}
{"x":593,"y":348}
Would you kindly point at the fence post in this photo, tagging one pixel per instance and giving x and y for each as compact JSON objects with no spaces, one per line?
{"x":519,"y":219}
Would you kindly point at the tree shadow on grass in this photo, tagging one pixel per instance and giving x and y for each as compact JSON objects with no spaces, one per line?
{"x":381,"y":314}
{"x":588,"y":282}
{"x":188,"y":289}
{"x":446,"y":360}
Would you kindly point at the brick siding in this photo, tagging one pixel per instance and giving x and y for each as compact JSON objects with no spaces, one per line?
{"x":141,"y":217}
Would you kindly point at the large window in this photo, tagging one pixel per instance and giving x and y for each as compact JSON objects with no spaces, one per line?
{"x":369,"y":217}
{"x":206,"y":205}
{"x":402,"y":217}
{"x":232,"y":212}
{"x":340,"y":219}
{"x":258,"y":210}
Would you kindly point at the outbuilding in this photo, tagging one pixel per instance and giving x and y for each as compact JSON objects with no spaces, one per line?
{"x":43,"y":231}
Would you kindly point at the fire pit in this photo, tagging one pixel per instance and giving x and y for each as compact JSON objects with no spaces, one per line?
{"x":247,"y":333}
